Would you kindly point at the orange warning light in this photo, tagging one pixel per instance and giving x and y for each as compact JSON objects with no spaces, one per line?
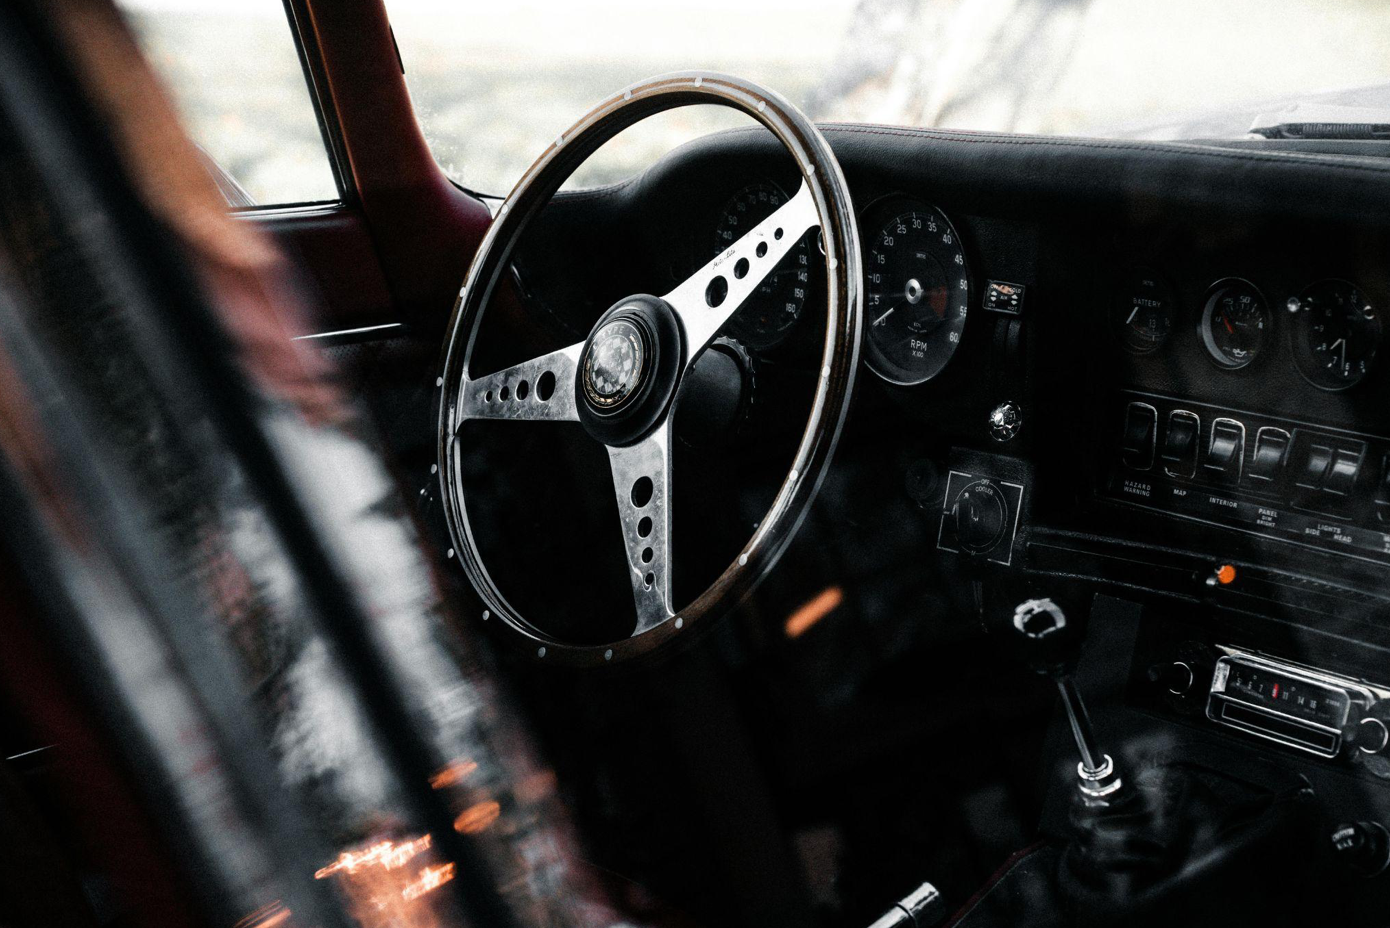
{"x":1225,"y":574}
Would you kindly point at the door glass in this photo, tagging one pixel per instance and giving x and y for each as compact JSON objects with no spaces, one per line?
{"x":234,"y":73}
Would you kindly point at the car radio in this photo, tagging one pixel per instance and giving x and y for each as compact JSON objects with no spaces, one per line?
{"x":1295,"y":706}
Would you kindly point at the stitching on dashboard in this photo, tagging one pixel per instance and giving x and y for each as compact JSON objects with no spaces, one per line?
{"x":1285,"y":158}
{"x":1352,"y":162}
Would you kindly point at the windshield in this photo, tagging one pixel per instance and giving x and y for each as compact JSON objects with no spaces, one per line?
{"x":494,"y":83}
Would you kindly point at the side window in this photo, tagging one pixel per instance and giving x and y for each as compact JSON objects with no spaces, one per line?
{"x":235,"y":74}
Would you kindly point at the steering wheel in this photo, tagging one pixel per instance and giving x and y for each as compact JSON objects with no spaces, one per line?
{"x":620,"y":382}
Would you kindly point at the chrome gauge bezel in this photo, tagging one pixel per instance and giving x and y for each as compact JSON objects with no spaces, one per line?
{"x":1119,"y":315}
{"x":1298,"y":330}
{"x":874,"y":219}
{"x":1204,"y":325}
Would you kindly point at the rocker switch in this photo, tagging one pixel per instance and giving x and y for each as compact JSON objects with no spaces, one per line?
{"x":1226,"y":450}
{"x":1341,"y":476}
{"x":1271,"y":445}
{"x":1180,"y":443}
{"x":1140,"y":436}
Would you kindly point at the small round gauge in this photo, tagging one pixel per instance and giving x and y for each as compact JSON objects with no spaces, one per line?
{"x":1235,"y":323}
{"x":1144,"y":308}
{"x":1336,"y":334}
{"x":772,"y":310}
{"x":917,"y":296}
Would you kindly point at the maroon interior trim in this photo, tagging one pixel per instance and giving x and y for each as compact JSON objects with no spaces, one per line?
{"x":338,"y":258}
{"x":1003,"y":871}
{"x":94,"y":786}
{"x":424,"y":228}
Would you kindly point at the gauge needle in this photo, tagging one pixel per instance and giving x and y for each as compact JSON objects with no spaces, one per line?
{"x":885,"y":315}
{"x":1229,"y":328}
{"x":1343,"y":343}
{"x":1132,"y":313}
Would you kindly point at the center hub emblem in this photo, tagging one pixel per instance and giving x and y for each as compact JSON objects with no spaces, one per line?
{"x":614,"y":364}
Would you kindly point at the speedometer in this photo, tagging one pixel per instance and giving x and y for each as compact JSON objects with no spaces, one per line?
{"x":775,"y":306}
{"x":917,"y":296}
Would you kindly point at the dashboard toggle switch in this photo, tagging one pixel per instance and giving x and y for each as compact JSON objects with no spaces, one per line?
{"x":1271,"y":447}
{"x":1226,"y":448}
{"x":1180,"y":443}
{"x":1342,"y":474}
{"x":1140,"y":437}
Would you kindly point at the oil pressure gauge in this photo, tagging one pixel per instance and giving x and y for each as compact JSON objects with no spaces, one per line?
{"x":1235,"y":323}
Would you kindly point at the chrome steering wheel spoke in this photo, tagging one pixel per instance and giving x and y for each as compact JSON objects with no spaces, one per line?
{"x":642,"y":484}
{"x":706,"y":299}
{"x":538,"y":390}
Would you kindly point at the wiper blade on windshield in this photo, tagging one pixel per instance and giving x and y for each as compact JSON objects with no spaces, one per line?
{"x":1356,"y":131}
{"x":1318,"y":120}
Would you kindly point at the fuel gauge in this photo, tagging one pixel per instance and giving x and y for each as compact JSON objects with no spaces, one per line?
{"x":1235,"y":323}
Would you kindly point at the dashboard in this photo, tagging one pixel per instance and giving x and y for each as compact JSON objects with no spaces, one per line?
{"x":1178,"y":350}
{"x":1153,"y":373}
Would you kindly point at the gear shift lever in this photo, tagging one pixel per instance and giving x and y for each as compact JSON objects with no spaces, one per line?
{"x":1051,"y":651}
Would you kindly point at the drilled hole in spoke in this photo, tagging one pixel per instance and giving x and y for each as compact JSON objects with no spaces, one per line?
{"x":716,"y":291}
{"x":522,"y":389}
{"x":545,"y":386}
{"x":487,"y":398}
{"x":777,"y":235}
{"x":647,"y":555}
{"x":649,"y":579}
{"x":642,"y":492}
{"x":761,"y":249}
{"x":741,"y":268}
{"x":644,"y":528}
{"x":505,"y":394}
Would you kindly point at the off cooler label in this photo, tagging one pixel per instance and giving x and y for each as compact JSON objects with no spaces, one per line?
{"x":1259,"y":518}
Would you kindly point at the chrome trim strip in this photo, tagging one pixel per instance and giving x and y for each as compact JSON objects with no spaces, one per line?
{"x":350,"y":333}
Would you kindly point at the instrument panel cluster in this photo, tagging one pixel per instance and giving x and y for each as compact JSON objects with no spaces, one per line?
{"x":1332,"y":329}
{"x":917,"y":283}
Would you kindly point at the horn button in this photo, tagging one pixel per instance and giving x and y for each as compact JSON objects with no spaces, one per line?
{"x":629,"y":369}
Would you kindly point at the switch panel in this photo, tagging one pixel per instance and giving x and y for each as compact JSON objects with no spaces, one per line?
{"x":1305,"y":484}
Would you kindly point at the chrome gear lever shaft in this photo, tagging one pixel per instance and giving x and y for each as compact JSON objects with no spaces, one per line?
{"x":1041,"y":623}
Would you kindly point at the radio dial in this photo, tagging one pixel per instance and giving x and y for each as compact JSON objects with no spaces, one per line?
{"x":1175,"y":677}
{"x":1372,"y":736}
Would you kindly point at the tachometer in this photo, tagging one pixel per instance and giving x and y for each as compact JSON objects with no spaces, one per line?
{"x":1336,"y":334}
{"x":1235,"y":323}
{"x":775,"y":306}
{"x":917,"y":296}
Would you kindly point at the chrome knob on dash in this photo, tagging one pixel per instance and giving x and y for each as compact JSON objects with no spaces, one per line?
{"x":1005,"y":420}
